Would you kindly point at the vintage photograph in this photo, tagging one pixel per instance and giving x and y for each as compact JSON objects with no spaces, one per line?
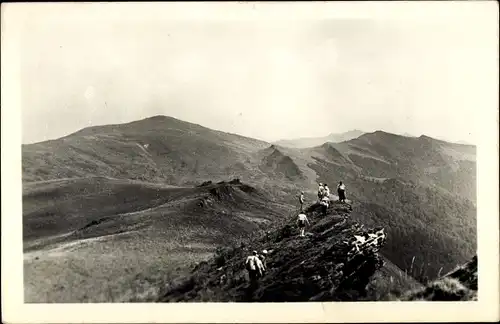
{"x":249,"y":159}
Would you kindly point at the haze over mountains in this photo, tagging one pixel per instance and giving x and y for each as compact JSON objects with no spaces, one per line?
{"x":315,"y":141}
{"x":127,"y":194}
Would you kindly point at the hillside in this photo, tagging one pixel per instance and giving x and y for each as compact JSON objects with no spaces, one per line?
{"x":164,"y":149}
{"x":458,"y":285}
{"x":107,"y":231}
{"x":317,"y":141}
{"x":317,"y":267}
{"x":280,"y":166}
{"x":421,"y":160}
{"x":415,"y":187}
{"x":160,"y":149}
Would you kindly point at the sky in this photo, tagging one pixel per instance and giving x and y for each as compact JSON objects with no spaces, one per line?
{"x":265,"y":76}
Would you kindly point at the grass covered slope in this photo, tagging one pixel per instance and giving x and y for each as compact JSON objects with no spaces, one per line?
{"x":312,"y":268}
{"x":430,"y":230}
{"x":156,"y":149}
{"x":98,"y":240}
{"x":458,"y":285}
{"x":422,"y":160}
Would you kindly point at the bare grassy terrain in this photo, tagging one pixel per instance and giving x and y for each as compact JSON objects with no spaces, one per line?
{"x":111,"y":239}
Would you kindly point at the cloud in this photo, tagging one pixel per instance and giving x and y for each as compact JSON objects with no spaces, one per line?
{"x":287,"y":78}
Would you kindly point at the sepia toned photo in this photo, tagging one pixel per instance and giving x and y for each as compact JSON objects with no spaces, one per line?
{"x":200,"y":153}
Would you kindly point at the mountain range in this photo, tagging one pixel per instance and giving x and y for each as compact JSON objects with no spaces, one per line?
{"x":150,"y":198}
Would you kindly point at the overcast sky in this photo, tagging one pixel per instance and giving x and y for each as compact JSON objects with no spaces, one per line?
{"x":265,"y":78}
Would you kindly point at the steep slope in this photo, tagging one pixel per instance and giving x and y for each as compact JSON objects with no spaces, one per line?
{"x":318,"y":267}
{"x":443,"y":225}
{"x":415,"y":187}
{"x":106,"y":231}
{"x":458,"y":285}
{"x":423,"y":250}
{"x":279,"y":165}
{"x":316,"y":141}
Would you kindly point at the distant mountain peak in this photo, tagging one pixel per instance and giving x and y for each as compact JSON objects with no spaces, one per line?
{"x":158,"y":117}
{"x":350,"y":132}
{"x":326,"y":145}
{"x":384,"y":132}
{"x":379,"y":134}
{"x":163,"y":118}
{"x":305,"y":142}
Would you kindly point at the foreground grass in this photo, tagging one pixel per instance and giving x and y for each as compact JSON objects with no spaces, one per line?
{"x":92,"y":275}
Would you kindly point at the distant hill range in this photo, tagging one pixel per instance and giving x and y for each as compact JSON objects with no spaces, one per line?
{"x":124,"y":182}
{"x":316,"y":141}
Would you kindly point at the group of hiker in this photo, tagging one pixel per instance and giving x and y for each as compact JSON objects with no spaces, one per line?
{"x":256,"y":263}
{"x":324,"y":191}
{"x":323,"y":200}
{"x":324,"y":194}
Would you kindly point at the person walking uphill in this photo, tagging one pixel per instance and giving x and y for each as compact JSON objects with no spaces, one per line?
{"x":255,"y":270}
{"x":301,"y":222}
{"x":341,"y":192}
{"x":254,"y":266}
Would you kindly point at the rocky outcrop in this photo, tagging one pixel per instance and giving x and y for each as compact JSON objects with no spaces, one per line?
{"x":334,"y":261}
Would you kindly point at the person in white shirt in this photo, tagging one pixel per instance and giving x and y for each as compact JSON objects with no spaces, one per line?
{"x":301,"y":222}
{"x":262,"y":258}
{"x":341,"y":192}
{"x":327,"y":191}
{"x":321,"y":191}
{"x":325,"y":202}
{"x":254,"y":266}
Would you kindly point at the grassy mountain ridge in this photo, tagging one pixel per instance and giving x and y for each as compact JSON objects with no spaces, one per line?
{"x":157,"y":147}
{"x":423,"y":160}
{"x":114,"y":177}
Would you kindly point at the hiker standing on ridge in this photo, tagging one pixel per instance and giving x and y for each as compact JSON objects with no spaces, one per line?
{"x":254,"y":267}
{"x":301,"y":201}
{"x":301,"y":222}
{"x":341,"y":192}
{"x":321,"y":191}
